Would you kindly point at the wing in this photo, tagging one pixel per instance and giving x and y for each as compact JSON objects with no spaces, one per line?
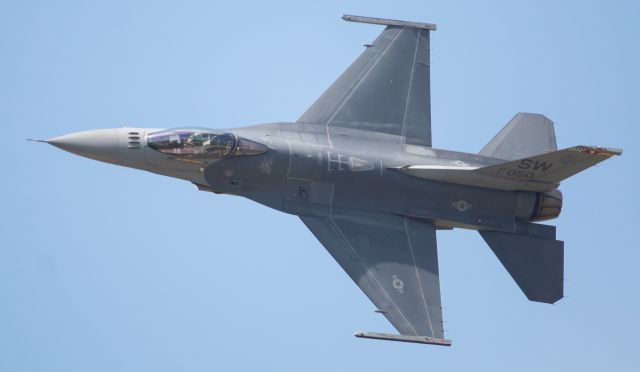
{"x":394,"y":260}
{"x":385,"y":90}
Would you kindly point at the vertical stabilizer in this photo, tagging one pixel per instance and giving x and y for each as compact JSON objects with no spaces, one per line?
{"x":525,"y":135}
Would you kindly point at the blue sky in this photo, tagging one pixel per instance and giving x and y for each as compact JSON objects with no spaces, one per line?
{"x":104,"y":268}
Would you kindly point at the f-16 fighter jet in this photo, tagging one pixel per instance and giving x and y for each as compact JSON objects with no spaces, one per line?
{"x":359,"y":169}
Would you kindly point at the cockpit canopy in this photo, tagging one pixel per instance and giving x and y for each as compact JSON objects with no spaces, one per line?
{"x":200,"y":143}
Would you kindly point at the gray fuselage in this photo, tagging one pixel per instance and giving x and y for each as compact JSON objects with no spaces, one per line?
{"x":303,"y":174}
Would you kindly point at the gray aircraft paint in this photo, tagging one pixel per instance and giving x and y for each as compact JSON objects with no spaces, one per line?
{"x":359,"y":170}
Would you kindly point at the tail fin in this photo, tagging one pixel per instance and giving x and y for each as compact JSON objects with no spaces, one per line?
{"x":525,"y":135}
{"x":533,"y":258}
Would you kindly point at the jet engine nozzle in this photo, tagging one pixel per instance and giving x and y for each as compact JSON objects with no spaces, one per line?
{"x":548,"y":207}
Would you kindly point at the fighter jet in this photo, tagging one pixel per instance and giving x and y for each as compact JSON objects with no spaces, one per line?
{"x":359,"y":169}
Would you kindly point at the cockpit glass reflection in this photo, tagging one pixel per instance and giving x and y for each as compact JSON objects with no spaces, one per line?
{"x":202,"y":144}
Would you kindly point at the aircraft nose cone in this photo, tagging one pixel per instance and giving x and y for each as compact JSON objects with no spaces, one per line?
{"x":99,"y":144}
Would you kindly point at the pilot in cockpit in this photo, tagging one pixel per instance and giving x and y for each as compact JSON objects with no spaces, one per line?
{"x":202,"y":144}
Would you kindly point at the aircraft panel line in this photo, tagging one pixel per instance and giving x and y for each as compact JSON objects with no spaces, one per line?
{"x":355,"y":88}
{"x":406,"y":104}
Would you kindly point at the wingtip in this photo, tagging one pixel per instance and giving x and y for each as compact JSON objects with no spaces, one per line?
{"x":597,"y":150}
{"x":403,"y":338}
{"x":388,"y":22}
{"x":616,"y":151}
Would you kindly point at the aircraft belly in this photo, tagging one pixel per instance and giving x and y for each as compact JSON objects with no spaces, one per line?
{"x":460,"y":207}
{"x":319,"y":178}
{"x":308,"y":198}
{"x":310,"y":180}
{"x":463,"y":208}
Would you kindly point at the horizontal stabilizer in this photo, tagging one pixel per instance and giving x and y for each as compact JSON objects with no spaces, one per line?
{"x":544,"y":172}
{"x":537,"y":173}
{"x":536,"y":263}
